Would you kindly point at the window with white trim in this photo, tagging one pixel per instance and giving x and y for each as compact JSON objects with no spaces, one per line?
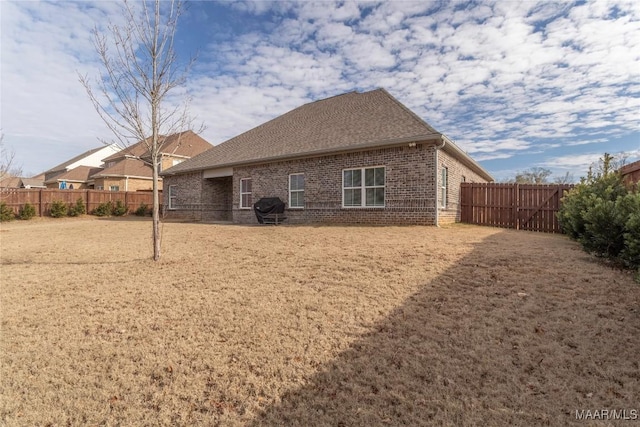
{"x":173,"y":196}
{"x":114,"y":188}
{"x":444,"y":185}
{"x":296,"y":190}
{"x":367,"y":192}
{"x":246,"y":201}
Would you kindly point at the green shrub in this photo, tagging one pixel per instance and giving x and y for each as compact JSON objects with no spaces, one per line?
{"x":6,"y":213}
{"x":104,"y":209}
{"x":28,"y":211}
{"x":78,"y":209}
{"x":143,"y":210}
{"x":120,"y":209}
{"x":631,"y":252}
{"x":604,"y":216}
{"x":58,"y":209}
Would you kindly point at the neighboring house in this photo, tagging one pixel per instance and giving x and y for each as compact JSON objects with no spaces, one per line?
{"x":30,"y":183}
{"x":125,"y":175}
{"x":92,"y":158}
{"x":73,"y":179}
{"x":10,"y":181}
{"x":130,"y":169}
{"x":352,"y":158}
{"x":631,"y":172}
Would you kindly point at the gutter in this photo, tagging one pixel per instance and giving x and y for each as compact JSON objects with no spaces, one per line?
{"x":437,"y":189}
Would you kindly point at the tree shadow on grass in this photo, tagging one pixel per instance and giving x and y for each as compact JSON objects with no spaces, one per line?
{"x":497,"y":339}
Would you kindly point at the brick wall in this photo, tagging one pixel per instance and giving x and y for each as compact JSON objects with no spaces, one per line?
{"x":456,"y":171}
{"x":132,"y":184}
{"x":197,"y":198}
{"x":409,"y":191}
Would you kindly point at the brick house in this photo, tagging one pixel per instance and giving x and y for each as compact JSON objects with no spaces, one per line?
{"x":76,"y":178}
{"x":130,"y":169}
{"x":92,"y":158}
{"x":352,"y":158}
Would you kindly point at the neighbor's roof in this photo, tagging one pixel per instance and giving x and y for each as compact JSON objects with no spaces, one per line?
{"x":127,"y":167}
{"x":183,"y":144}
{"x":631,"y":167}
{"x":10,"y":181}
{"x":32,"y":182}
{"x":63,"y":166}
{"x":352,"y":121}
{"x":77,"y":174}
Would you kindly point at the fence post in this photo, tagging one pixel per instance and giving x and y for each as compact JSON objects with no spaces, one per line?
{"x":40,"y":202}
{"x":88,"y":193}
{"x":516,"y":206}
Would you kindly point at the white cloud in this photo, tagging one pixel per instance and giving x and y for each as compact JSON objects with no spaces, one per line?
{"x":499,"y":77}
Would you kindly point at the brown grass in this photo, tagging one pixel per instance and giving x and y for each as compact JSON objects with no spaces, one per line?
{"x":309,"y":326}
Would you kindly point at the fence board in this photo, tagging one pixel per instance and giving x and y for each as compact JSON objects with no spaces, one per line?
{"x":520,"y":206}
{"x":41,"y":199}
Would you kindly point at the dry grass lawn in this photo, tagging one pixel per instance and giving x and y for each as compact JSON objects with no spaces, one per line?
{"x":304,"y":326}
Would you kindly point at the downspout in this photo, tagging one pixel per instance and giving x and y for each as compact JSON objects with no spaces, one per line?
{"x":126,"y":183}
{"x":438,"y":147}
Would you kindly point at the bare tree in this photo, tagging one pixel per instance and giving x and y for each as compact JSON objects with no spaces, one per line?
{"x":140,"y":69}
{"x":8,"y":167}
{"x":567,"y":178}
{"x":533,"y":176}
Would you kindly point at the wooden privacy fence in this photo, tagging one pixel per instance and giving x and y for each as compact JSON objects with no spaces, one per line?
{"x":530,"y":207}
{"x":41,"y":199}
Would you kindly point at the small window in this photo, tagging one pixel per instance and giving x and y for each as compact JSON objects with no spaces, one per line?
{"x":99,"y":187}
{"x":367,"y":192}
{"x":176,"y":161}
{"x":114,"y":188}
{"x":173,"y":195}
{"x":444,"y":185}
{"x":246,"y":200}
{"x":296,"y":190}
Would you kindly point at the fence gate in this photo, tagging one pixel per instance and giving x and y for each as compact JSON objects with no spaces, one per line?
{"x":521,"y":206}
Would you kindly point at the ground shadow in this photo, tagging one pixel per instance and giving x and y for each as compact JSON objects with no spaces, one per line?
{"x":485,"y":344}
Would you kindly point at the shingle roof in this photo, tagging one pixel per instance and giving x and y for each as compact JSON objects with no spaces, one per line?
{"x":349,"y":121}
{"x":127,"y":167}
{"x":32,"y":182}
{"x":77,"y":174}
{"x":184,"y":144}
{"x":63,"y":166}
{"x":9,"y":181}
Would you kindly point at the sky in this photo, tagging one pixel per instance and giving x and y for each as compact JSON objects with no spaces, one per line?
{"x":516,"y":84}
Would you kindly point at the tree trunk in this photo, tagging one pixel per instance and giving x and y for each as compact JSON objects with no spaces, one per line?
{"x":156,"y":212}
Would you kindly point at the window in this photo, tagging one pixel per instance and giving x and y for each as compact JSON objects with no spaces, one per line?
{"x":444,"y":185}
{"x":296,"y":190}
{"x":369,"y":192}
{"x":245,"y":193}
{"x":176,"y":161}
{"x":99,"y":187}
{"x":173,"y":195}
{"x":114,"y":188}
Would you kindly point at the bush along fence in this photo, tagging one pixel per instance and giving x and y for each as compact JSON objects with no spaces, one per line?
{"x":603,"y":214}
{"x":530,"y":207}
{"x":54,"y":202}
